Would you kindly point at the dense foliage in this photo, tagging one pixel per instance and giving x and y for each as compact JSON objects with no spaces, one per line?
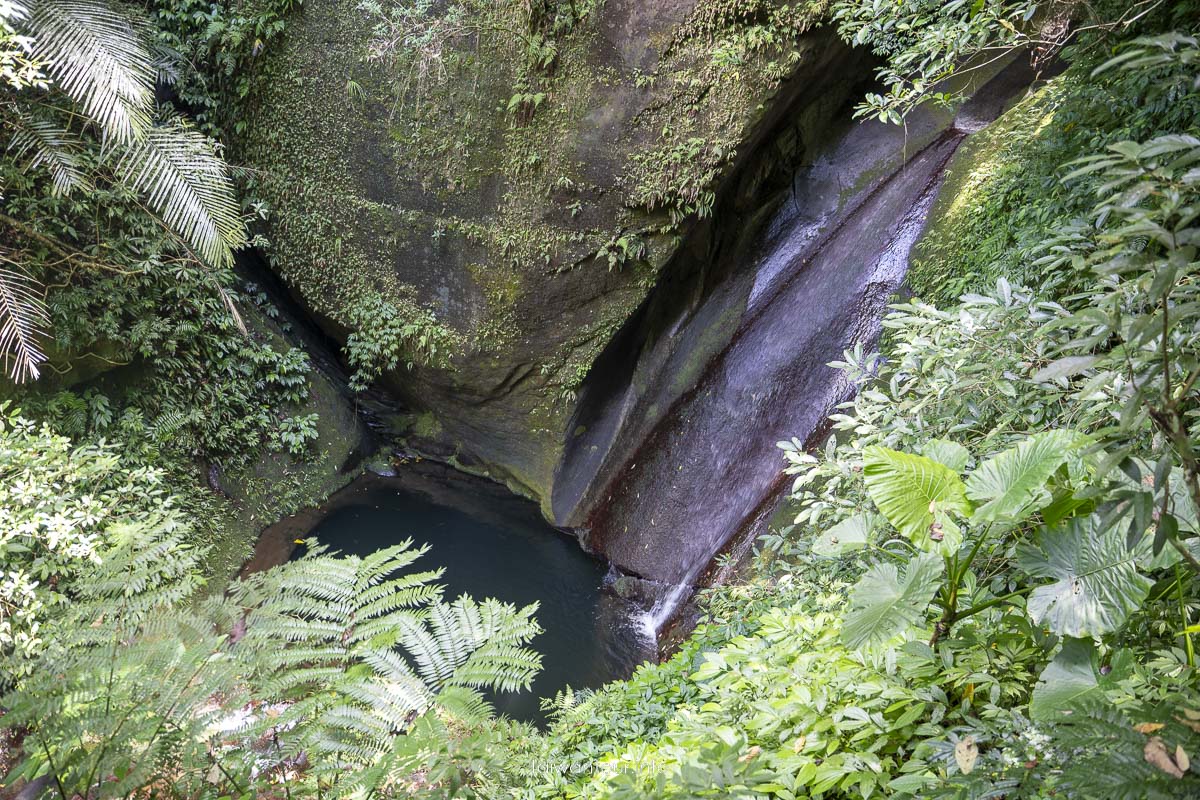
{"x":989,"y":586}
{"x":1007,"y":504}
{"x":138,"y":679}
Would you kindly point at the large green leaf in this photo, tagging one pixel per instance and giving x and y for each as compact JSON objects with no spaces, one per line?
{"x":944,"y":451}
{"x":1096,"y":582}
{"x":884,"y":602}
{"x":1067,"y":682}
{"x":849,"y":534}
{"x":915,"y":493}
{"x":1071,"y":681}
{"x":1010,"y":485}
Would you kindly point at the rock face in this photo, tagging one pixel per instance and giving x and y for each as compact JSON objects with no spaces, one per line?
{"x":496,"y":217}
{"x":673,"y":454}
{"x":619,"y":240}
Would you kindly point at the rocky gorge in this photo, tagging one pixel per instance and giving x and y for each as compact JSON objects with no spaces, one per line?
{"x":638,"y":280}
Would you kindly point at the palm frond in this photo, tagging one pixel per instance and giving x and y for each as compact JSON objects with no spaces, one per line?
{"x":98,"y":56}
{"x":42,"y":143}
{"x":188,"y":185}
{"x":23,"y":320}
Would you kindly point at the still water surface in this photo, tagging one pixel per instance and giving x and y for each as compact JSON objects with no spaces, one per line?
{"x":494,"y":544}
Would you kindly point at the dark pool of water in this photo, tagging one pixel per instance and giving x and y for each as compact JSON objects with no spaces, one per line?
{"x":494,"y":544}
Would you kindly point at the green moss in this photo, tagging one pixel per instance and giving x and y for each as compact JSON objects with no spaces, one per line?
{"x":1005,"y":188}
{"x":426,"y":426}
{"x":516,"y":237}
{"x":970,"y":240}
{"x":454,"y":137}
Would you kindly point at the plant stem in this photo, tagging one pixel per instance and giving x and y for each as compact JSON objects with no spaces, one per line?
{"x":995,"y":601}
{"x":1183,"y":614}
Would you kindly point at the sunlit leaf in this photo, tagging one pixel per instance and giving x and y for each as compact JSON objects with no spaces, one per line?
{"x":1096,"y":582}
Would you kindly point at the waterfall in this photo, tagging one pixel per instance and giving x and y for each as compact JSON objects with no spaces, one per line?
{"x":779,"y":345}
{"x":678,"y":429}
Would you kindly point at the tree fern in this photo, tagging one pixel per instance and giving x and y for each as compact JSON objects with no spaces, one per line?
{"x":130,"y":666}
{"x":1112,"y":758}
{"x":334,"y":658}
{"x":357,"y":656}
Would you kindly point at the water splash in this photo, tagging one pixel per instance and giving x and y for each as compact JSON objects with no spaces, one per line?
{"x":665,"y":607}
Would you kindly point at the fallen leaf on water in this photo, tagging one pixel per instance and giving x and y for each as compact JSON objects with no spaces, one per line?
{"x":965,"y":753}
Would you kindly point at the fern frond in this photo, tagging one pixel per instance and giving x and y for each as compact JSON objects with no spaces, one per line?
{"x":188,"y":185}
{"x":23,"y":320}
{"x":466,"y":705}
{"x":432,"y":664}
{"x":42,"y":143}
{"x":378,"y":565}
{"x":99,"y":57}
{"x":394,"y":596}
{"x":507,"y":668}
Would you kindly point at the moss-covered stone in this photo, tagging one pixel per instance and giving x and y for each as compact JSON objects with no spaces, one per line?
{"x":970,"y":239}
{"x":517,"y":212}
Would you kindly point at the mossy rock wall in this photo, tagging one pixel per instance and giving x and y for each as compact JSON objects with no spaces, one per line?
{"x":513,"y":240}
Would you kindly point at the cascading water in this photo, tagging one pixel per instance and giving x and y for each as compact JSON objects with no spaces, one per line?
{"x":855,"y":276}
{"x":687,"y":471}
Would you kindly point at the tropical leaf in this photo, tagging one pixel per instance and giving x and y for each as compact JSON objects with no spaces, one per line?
{"x":1071,"y":683}
{"x":884,"y":602}
{"x":23,"y":319}
{"x":1009,"y":485}
{"x":1096,"y":582}
{"x":849,"y":534}
{"x":1067,"y":683}
{"x":98,"y":56}
{"x":946,"y":452}
{"x":42,"y":143}
{"x":188,"y":185}
{"x":918,"y":496}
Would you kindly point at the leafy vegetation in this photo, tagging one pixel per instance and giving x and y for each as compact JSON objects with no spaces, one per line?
{"x":989,"y":587}
{"x":87,"y":79}
{"x":146,"y":682}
